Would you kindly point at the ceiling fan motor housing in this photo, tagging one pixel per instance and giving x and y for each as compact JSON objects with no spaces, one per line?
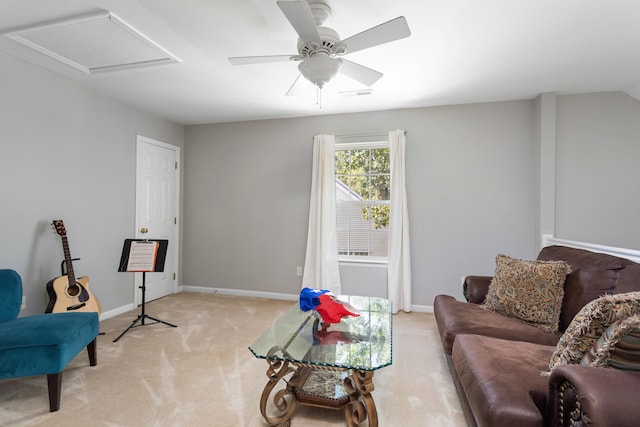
{"x":330,"y":44}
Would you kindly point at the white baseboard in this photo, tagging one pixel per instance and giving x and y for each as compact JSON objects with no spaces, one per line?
{"x":239,"y":293}
{"x":422,"y":308}
{"x":116,"y":311}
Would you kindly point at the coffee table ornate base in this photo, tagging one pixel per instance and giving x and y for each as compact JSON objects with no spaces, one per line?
{"x":325,"y":365}
{"x":284,"y":402}
{"x":361,"y":406}
{"x":323,"y":387}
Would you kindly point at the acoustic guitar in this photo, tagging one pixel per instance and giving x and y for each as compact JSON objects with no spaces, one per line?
{"x":66,"y":293}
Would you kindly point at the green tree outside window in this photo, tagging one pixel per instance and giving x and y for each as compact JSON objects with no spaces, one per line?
{"x":366,"y":172}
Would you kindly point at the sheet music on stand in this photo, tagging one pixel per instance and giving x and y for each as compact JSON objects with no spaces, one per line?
{"x":143,"y":256}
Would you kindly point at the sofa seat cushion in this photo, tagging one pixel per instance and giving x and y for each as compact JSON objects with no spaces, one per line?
{"x":502,"y":380}
{"x":456,"y":318}
{"x":45,"y":343}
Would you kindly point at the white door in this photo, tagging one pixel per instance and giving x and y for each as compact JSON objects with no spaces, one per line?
{"x":157,"y":195}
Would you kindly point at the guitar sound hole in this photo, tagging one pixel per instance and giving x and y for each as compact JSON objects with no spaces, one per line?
{"x":73,"y":290}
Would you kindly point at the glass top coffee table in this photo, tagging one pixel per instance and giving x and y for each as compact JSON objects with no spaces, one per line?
{"x":325,"y":365}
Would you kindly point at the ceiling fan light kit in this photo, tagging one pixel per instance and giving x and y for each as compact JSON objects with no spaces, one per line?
{"x":320,"y":48}
{"x":319,"y":69}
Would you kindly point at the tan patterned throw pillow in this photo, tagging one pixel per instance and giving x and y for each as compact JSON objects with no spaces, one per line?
{"x":590,"y":323}
{"x":618,"y":346}
{"x":531,"y":291}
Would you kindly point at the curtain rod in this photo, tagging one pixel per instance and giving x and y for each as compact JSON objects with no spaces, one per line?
{"x":365,"y":135}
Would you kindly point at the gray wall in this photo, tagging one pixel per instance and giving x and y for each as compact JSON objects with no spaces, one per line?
{"x":68,"y":153}
{"x":598,"y":173}
{"x":482,"y":179}
{"x":471,"y":189}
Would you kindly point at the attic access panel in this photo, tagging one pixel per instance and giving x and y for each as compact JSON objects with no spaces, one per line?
{"x":93,"y":43}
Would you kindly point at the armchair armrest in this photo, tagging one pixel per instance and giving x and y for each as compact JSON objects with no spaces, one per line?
{"x":475,"y":288}
{"x":589,"y":396}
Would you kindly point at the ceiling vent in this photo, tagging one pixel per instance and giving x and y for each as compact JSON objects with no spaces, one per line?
{"x":93,"y":43}
{"x":359,"y":92}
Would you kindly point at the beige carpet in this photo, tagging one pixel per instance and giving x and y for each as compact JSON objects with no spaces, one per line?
{"x":202,"y":373}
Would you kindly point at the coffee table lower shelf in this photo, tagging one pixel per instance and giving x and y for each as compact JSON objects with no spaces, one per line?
{"x":319,"y":386}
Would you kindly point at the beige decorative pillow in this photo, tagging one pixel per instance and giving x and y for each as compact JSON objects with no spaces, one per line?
{"x":590,"y":323}
{"x":531,"y":291}
{"x":618,"y":346}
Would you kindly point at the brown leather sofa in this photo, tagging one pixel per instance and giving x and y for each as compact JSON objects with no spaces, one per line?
{"x":496,"y":361}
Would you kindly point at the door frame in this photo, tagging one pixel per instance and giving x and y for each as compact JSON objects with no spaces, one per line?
{"x":141,"y":141}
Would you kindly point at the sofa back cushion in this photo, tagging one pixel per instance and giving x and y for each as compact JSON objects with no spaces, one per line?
{"x":10,"y":294}
{"x":592,"y":276}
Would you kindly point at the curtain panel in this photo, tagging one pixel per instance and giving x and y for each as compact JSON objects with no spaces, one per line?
{"x":399,"y":267}
{"x":321,"y":270}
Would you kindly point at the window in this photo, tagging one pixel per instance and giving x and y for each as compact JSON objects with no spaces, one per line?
{"x":362,"y":199}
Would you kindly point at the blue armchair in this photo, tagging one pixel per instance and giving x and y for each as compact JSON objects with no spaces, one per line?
{"x":41,"y":344}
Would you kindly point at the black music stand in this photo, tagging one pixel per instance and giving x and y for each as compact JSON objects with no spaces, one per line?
{"x":143,"y":256}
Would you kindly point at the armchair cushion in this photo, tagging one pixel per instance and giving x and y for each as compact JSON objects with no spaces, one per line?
{"x":42,"y":344}
{"x":531,"y":291}
{"x":45,"y":343}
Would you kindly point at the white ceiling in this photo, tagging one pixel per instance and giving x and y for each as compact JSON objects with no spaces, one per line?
{"x":460,"y":51}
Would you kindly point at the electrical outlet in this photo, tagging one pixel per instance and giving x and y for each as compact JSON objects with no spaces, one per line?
{"x":24,"y":303}
{"x":298,"y":271}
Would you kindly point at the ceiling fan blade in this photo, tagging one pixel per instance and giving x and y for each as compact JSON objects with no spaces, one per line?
{"x":299,"y":85}
{"x":299,"y":15}
{"x":358,"y":72}
{"x":243,"y":60}
{"x":384,"y":33}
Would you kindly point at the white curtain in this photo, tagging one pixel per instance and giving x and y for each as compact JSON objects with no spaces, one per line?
{"x":399,"y":269}
{"x":321,"y":269}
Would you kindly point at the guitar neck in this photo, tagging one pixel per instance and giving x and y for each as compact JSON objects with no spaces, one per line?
{"x":67,"y":259}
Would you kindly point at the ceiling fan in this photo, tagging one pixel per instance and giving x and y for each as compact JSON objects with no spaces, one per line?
{"x":320,"y":49}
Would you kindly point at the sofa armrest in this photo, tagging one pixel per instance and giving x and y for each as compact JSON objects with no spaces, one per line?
{"x":588,"y":396}
{"x":475,"y":288}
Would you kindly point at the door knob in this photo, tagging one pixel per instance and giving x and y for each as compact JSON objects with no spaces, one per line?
{"x":144,"y":230}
